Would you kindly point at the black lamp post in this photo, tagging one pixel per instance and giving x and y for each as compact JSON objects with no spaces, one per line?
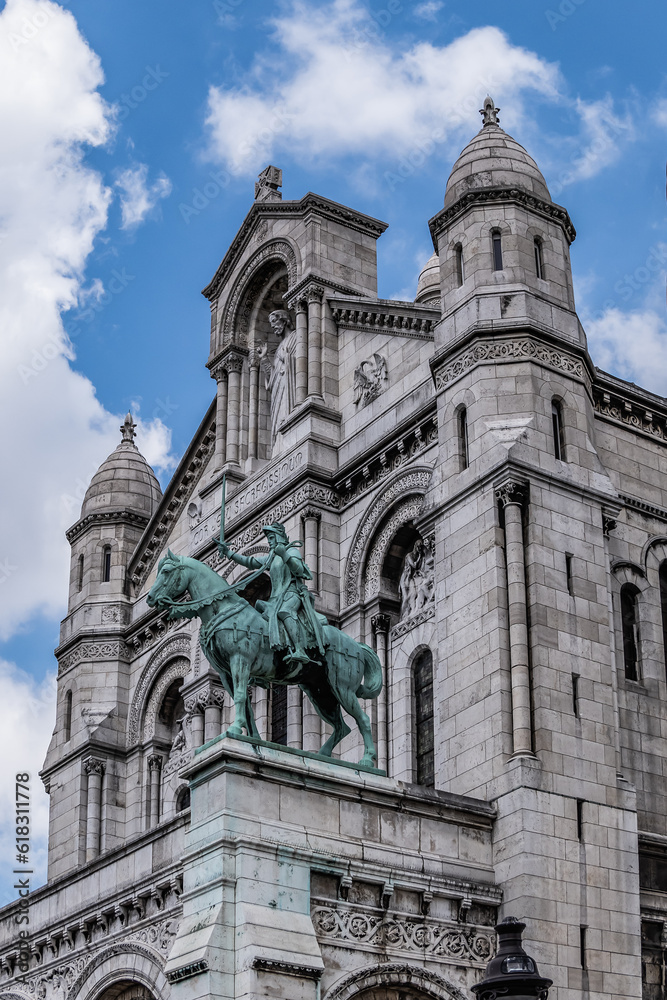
{"x":512,"y":973}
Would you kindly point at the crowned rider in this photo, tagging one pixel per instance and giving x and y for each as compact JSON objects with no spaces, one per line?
{"x":293,"y":621}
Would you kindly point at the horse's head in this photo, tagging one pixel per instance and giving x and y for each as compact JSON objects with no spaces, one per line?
{"x":171,"y":582}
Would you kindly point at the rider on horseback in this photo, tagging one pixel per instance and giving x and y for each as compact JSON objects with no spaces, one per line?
{"x":293,"y":621}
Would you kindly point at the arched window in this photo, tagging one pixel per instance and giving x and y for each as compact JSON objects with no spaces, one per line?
{"x":557,"y":426}
{"x":279,"y":713}
{"x":539,"y":262}
{"x":463,"y":438}
{"x":497,"y":250}
{"x":460,"y":273}
{"x":79,"y":580}
{"x":630,"y":623}
{"x":67,"y":727}
{"x":106,"y":564}
{"x":422,"y":671}
{"x":183,"y":800}
{"x":663,"y":604}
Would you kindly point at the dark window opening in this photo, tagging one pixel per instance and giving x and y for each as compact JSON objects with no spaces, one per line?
{"x":582,"y":947}
{"x":539,"y":262}
{"x":183,"y":800}
{"x":463,"y":438}
{"x":79,"y":582}
{"x":460,"y":273}
{"x":279,"y":714}
{"x":68,"y":715}
{"x":497,"y":250}
{"x":424,"y":736}
{"x":575,"y":695}
{"x":568,"y":573}
{"x":106,"y":564}
{"x":580,"y":819}
{"x":557,"y":425}
{"x":663,"y":605}
{"x":630,"y":623}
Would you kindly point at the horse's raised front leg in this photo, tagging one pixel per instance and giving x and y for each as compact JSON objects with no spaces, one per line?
{"x":240,"y":673}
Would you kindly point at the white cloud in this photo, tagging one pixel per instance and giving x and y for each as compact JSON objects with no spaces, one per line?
{"x":137,"y":198}
{"x":632,"y":345}
{"x":600,"y":144}
{"x":660,"y":112}
{"x":24,"y":739}
{"x":52,"y":205}
{"x":428,"y":11}
{"x":304,"y":99}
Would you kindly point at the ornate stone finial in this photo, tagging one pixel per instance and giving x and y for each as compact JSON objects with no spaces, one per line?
{"x":267,"y":184}
{"x":128,"y":429}
{"x":489,"y":112}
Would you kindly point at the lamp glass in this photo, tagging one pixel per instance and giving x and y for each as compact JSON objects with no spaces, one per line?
{"x":518,"y":963}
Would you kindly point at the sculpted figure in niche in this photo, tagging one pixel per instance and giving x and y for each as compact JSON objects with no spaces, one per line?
{"x":279,"y":371}
{"x":417,"y":582}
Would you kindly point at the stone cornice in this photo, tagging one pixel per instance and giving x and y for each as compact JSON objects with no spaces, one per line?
{"x":483,"y":196}
{"x":302,"y":287}
{"x":175,"y":497}
{"x":404,"y":319}
{"x":105,"y":517}
{"x":285,"y":209}
{"x":629,"y":405}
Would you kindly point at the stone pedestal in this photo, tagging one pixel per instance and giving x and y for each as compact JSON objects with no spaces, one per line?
{"x":286,"y":847}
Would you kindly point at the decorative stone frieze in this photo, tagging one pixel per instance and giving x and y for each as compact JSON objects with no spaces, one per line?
{"x":483,"y":196}
{"x":406,"y":979}
{"x":403,"y":627}
{"x":496,"y":350}
{"x":385,"y":317}
{"x":114,"y":650}
{"x":177,"y":646}
{"x":636,"y":414}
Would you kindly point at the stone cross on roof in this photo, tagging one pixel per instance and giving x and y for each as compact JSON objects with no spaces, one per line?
{"x":489,"y":113}
{"x":127,"y":429}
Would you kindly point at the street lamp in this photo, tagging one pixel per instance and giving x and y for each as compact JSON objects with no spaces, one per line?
{"x":512,"y":974}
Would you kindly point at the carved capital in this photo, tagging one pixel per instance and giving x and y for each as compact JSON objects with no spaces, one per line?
{"x":311,"y":514}
{"x":219,"y":373}
{"x":254,"y":360}
{"x":233,"y":363}
{"x":380,"y":623}
{"x":512,"y":491}
{"x":94,"y":765}
{"x":301,"y":305}
{"x":315,"y":293}
{"x":155,"y":762}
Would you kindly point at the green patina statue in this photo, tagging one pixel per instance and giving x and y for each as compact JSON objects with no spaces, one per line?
{"x":281,"y":640}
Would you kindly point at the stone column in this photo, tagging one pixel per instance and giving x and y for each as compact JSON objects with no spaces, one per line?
{"x":294,"y":717}
{"x":301,"y":387}
{"x":197,"y":727}
{"x":253,"y":415}
{"x":233,"y":365}
{"x":262,"y":712}
{"x":380,"y":625}
{"x":512,"y":495}
{"x":315,"y":296}
{"x":94,"y":768}
{"x":154,"y":775}
{"x":311,"y":517}
{"x":220,"y":375}
{"x":212,"y":720}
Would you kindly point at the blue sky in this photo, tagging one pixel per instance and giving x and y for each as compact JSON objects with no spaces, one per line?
{"x":133,"y":134}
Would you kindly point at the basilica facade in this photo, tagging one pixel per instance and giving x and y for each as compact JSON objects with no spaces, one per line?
{"x":474,"y":500}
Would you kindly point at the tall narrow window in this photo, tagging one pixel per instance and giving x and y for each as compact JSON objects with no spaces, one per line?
{"x":106,"y":564}
{"x":630,"y":623}
{"x":460,"y":273}
{"x":539,"y":261}
{"x":79,"y":579}
{"x":663,"y":603}
{"x":568,"y":573}
{"x":557,"y":426}
{"x":68,"y":716}
{"x":424,"y":737}
{"x":582,"y":947}
{"x":463,"y":438}
{"x":279,"y":714}
{"x":575,"y":695}
{"x":497,"y":250}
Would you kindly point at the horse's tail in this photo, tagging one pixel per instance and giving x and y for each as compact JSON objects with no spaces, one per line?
{"x":372,"y":673}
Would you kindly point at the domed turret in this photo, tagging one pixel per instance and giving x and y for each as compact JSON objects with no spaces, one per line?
{"x":493,"y":159}
{"x":428,"y":286}
{"x":124,"y":481}
{"x":122,"y":496}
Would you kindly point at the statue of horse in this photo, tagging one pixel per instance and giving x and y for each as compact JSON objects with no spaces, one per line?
{"x":235,"y":640}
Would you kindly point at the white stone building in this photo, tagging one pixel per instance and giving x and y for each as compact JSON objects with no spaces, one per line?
{"x":477,"y":501}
